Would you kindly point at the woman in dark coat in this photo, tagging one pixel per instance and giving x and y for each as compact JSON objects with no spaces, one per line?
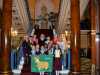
{"x":26,"y":49}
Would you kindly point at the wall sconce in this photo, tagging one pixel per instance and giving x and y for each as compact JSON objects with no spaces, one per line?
{"x":66,"y":32}
{"x":14,"y":32}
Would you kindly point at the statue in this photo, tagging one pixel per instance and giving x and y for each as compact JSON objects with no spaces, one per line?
{"x":43,"y":18}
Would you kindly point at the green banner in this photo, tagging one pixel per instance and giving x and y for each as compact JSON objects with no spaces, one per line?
{"x":42,"y":63}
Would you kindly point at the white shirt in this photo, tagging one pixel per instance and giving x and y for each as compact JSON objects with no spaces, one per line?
{"x":57,"y":53}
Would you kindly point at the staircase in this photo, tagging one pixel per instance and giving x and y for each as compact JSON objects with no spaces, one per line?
{"x":46,"y":32}
{"x":85,"y":66}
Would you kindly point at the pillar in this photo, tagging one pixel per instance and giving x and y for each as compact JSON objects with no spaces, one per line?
{"x":93,"y":36}
{"x":6,"y":38}
{"x":75,"y":35}
{"x":97,"y":37}
{"x":0,"y":27}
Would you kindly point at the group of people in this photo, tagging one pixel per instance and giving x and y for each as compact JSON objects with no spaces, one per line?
{"x":36,"y":45}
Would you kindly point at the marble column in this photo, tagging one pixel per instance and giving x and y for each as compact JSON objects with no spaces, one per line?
{"x":6,"y":38}
{"x":93,"y":36}
{"x":97,"y":4}
{"x":75,"y":35}
{"x":0,"y":26}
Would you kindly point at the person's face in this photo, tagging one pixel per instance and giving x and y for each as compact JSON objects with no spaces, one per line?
{"x":42,"y":47}
{"x":55,"y":36}
{"x":37,"y":46}
{"x":46,"y":46}
{"x":42,"y":37}
{"x":26,"y":38}
{"x":56,"y":46}
{"x":35,"y":36}
{"x":33,"y":47}
{"x":48,"y":38}
{"x":68,"y":46}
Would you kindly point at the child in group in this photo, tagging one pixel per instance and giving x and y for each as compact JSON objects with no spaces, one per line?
{"x":47,"y":40}
{"x":37,"y":50}
{"x":42,"y":49}
{"x":33,"y":50}
{"x":46,"y":49}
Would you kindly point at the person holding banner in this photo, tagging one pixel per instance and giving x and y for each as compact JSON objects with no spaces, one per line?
{"x":37,"y":50}
{"x":42,"y":49}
